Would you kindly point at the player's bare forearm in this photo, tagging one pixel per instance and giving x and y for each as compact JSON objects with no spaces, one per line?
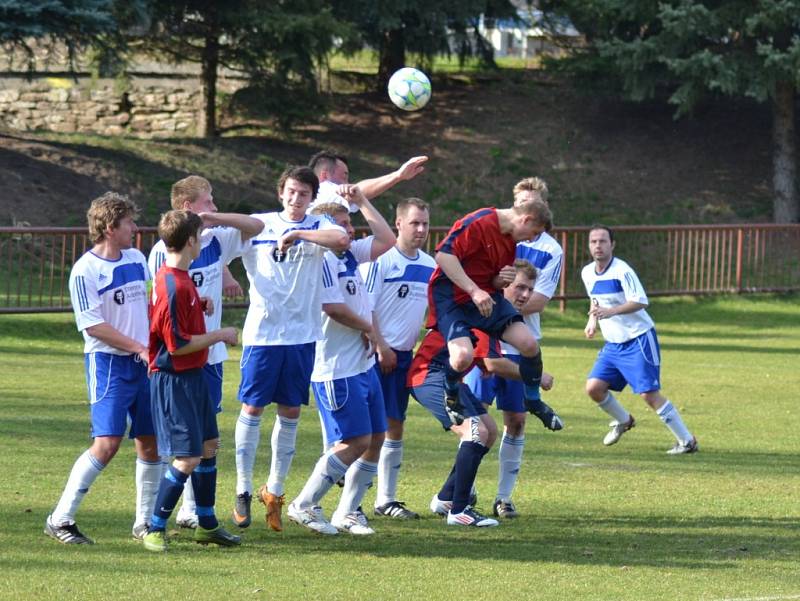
{"x":536,"y":304}
{"x":249,"y":226}
{"x":334,"y":239}
{"x":378,"y":185}
{"x":452,"y":268}
{"x":198,"y":342}
{"x":384,"y":237}
{"x":344,"y":315}
{"x":109,"y":335}
{"x":623,"y":309}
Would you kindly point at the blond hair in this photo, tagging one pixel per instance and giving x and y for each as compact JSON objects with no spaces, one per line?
{"x":538,"y":209}
{"x":188,"y":189}
{"x":107,"y":211}
{"x":403,"y":206}
{"x":532,"y":184}
{"x":329,"y":208}
{"x":526,"y":268}
{"x":177,"y":226}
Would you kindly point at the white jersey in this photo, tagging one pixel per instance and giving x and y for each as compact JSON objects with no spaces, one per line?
{"x":398,"y":291}
{"x":617,"y":285}
{"x":546,"y":256}
{"x":284,"y":287}
{"x":112,"y":292}
{"x":341,"y":352}
{"x":219,"y":246}
{"x":327,"y":193}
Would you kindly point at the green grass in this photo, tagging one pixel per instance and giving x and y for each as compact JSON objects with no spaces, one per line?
{"x":626,"y":522}
{"x":366,"y":61}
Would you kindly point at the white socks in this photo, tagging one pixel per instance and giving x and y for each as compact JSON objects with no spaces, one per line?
{"x":357,"y":481}
{"x":511,"y":448}
{"x":672,"y":420}
{"x":246,"y":437}
{"x":612,"y":406}
{"x":327,"y":471}
{"x":148,"y":479}
{"x":84,"y":473}
{"x":389,"y":471}
{"x":284,"y":435}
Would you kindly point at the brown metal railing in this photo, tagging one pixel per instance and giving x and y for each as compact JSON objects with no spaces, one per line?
{"x":670,"y":260}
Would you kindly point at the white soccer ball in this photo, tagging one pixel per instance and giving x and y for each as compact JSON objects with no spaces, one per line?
{"x":409,"y":89}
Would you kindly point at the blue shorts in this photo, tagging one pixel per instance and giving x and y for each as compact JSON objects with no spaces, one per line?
{"x":636,"y":362}
{"x":456,"y":321}
{"x":395,"y":391}
{"x":351,"y":407}
{"x":430,"y":394}
{"x":276,"y":374}
{"x":510,"y":394}
{"x":118,"y":391}
{"x":183,"y":413}
{"x":213,"y":375}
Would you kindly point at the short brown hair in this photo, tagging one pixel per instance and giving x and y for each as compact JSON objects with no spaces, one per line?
{"x":402,"y":206}
{"x":532,"y":184}
{"x":107,"y":211}
{"x":304,"y":175}
{"x":176,"y":227}
{"x":538,"y":209}
{"x":188,"y":190}
{"x":526,"y":268}
{"x":329,"y":208}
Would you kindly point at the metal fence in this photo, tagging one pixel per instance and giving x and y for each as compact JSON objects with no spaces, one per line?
{"x":670,"y":260}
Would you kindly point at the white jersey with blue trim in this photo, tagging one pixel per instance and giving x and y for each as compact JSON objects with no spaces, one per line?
{"x":545,"y":254}
{"x":219,"y":246}
{"x":112,"y":292}
{"x":328,"y":193}
{"x":398,"y":291}
{"x":341,"y":352}
{"x":284,"y":286}
{"x":616,"y":285}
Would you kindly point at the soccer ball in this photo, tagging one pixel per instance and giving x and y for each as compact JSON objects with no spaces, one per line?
{"x":409,"y":89}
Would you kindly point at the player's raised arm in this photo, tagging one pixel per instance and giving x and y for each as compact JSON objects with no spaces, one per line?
{"x":335,"y":238}
{"x":384,"y":236}
{"x":378,"y":185}
{"x":249,"y":226}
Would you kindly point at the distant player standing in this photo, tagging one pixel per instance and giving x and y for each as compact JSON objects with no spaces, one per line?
{"x":346,"y":388}
{"x":284,"y":320}
{"x":631,"y":354}
{"x":108,"y":288}
{"x":221,"y":241}
{"x":465,"y":291}
{"x":184,"y":412}
{"x":398,"y":287}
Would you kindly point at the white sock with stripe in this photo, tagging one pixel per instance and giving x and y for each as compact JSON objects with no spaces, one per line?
{"x":357,"y":481}
{"x":246,"y":437}
{"x":327,"y":471}
{"x":148,"y":479}
{"x":672,"y":420}
{"x":284,"y":435}
{"x":389,"y":471}
{"x":84,"y":473}
{"x":510,"y":456}
{"x":612,"y":406}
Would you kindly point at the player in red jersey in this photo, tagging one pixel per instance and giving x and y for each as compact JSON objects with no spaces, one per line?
{"x":183,"y":411}
{"x":475,"y":262}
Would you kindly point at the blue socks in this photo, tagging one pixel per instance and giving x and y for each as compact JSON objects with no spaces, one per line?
{"x":204,"y":484}
{"x":168,"y":494}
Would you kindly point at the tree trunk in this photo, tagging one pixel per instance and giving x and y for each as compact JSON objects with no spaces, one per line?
{"x":392,"y":56}
{"x":785,"y":205}
{"x":208,"y":75}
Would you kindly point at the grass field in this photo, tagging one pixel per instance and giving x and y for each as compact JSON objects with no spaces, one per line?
{"x":624,"y":523}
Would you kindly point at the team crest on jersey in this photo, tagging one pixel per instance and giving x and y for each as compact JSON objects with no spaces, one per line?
{"x":278,"y":255}
{"x":197,"y":278}
{"x":402,"y":292}
{"x":351,"y":287}
{"x":119,"y":297}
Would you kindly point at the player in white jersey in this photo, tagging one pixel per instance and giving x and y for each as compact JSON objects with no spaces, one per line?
{"x":221,"y":241}
{"x":346,"y":388}
{"x":631,"y":353}
{"x":544,"y":254}
{"x":333,"y":171}
{"x":108,"y":288}
{"x":284,"y":268}
{"x":398,"y":287}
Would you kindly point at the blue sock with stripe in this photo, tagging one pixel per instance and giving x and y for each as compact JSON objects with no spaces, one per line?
{"x":168,"y":494}
{"x":530,"y":370}
{"x":204,"y":484}
{"x":452,"y":379}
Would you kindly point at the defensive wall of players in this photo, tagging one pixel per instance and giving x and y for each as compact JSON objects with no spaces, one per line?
{"x":670,"y":260}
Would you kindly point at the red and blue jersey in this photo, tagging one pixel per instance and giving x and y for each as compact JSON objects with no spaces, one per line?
{"x":481,"y":248}
{"x":176,"y":314}
{"x":432,"y":356}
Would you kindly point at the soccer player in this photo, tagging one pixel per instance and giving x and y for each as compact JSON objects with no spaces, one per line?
{"x":184,"y":412}
{"x":398,"y":287}
{"x":333,"y":171}
{"x":221,"y":241}
{"x":631,"y":354}
{"x":346,"y":387}
{"x":544,"y":253}
{"x":465,"y":291}
{"x":284,"y":320}
{"x":108,"y":288}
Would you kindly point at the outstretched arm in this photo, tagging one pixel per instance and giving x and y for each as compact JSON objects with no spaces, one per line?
{"x":384,"y":236}
{"x":249,"y":226}
{"x":335,"y":239}
{"x":378,"y":185}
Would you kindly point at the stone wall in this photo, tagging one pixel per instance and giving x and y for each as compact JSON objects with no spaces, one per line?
{"x":143,"y":106}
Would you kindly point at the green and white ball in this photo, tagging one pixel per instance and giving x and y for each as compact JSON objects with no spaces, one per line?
{"x":409,"y":89}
